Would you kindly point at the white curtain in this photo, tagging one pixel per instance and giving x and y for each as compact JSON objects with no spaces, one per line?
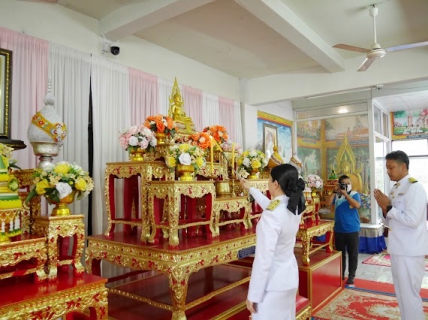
{"x":70,"y":72}
{"x":210,"y":114}
{"x":193,"y":105}
{"x":111,"y":115}
{"x":165,"y":89}
{"x":144,"y":95}
{"x":231,"y":119}
{"x":29,"y":84}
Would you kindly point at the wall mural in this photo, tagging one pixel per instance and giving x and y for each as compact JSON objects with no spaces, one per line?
{"x":412,"y":124}
{"x":342,"y":146}
{"x":268,"y":123}
{"x":311,"y":161}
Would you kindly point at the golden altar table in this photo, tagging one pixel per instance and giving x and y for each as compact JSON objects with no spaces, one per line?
{"x":306,"y":235}
{"x":27,"y":300}
{"x":55,"y":229}
{"x":130,"y":171}
{"x":234,"y":206}
{"x":176,"y":263}
{"x":28,"y":247}
{"x":172,"y":202}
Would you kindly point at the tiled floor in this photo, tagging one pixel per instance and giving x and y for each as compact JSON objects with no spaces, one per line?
{"x":378,"y":273}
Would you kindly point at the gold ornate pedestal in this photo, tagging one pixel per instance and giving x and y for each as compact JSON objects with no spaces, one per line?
{"x":306,"y":234}
{"x":168,"y":213}
{"x":177,"y":264}
{"x":229,"y":205}
{"x":130,"y":171}
{"x":62,"y":226}
{"x":12,"y":253}
{"x":53,"y":300}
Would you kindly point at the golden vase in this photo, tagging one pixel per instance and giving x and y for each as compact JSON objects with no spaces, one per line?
{"x":61,"y":207}
{"x":254,"y":174}
{"x":314,"y":193}
{"x":161,"y":137}
{"x":185,"y":172}
{"x":136,"y":154}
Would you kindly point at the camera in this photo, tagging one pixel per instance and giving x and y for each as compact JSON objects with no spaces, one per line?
{"x":343,"y":186}
{"x":115,"y":50}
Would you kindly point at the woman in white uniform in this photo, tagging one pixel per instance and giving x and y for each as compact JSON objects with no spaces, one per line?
{"x":275,"y":275}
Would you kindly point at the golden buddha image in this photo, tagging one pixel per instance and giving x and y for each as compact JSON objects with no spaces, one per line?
{"x":176,"y":111}
{"x":347,"y":165}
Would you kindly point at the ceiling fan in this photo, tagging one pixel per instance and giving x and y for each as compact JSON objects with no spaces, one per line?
{"x":376,"y":50}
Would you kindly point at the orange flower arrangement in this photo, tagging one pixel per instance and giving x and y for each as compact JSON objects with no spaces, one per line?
{"x":219,"y":133}
{"x":161,"y":123}
{"x":200,"y":139}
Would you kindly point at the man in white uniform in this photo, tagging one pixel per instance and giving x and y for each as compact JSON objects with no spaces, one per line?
{"x":405,"y":215}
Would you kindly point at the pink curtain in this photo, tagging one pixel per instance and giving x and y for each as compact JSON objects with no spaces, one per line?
{"x":29,"y":86}
{"x":143,"y":95}
{"x":227,"y":119}
{"x":193,"y":105}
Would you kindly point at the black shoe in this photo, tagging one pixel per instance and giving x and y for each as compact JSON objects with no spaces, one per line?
{"x":350,"y":281}
{"x":343,"y":277}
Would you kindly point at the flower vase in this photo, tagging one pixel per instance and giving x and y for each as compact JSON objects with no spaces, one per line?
{"x":314,"y":193}
{"x":161,"y":138}
{"x":136,"y":154}
{"x":185,"y":172}
{"x":61,"y":207}
{"x":254,"y":174}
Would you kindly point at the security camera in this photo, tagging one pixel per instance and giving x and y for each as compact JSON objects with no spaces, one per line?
{"x":115,"y":50}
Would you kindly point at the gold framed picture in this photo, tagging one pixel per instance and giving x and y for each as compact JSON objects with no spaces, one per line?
{"x":270,"y":139}
{"x":5,"y":91}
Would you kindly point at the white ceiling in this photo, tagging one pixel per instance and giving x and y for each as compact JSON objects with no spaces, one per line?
{"x":255,"y":38}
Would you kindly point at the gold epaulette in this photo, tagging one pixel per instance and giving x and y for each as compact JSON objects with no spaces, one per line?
{"x":273,"y":204}
{"x":413,"y":180}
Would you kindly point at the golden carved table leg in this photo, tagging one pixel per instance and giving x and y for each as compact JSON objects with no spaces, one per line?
{"x":174,"y":212}
{"x":306,"y":244}
{"x":178,"y":282}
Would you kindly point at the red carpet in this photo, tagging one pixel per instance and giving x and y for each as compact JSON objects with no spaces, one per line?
{"x":359,"y":303}
{"x":383,"y":259}
{"x":380,"y":287}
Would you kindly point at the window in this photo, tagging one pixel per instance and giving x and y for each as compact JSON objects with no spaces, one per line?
{"x":417,"y":150}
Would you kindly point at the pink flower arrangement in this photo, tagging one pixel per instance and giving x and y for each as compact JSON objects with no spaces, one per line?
{"x":138,"y":137}
{"x":314,"y":181}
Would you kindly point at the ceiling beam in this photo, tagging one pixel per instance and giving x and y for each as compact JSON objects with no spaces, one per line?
{"x":135,"y":17}
{"x":284,"y":21}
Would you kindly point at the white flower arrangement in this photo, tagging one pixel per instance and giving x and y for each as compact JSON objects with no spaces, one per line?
{"x":314,"y":181}
{"x":251,"y":160}
{"x":186,"y":154}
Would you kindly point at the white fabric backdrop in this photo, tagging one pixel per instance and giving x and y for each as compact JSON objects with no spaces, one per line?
{"x":70,"y":71}
{"x":111,"y":115}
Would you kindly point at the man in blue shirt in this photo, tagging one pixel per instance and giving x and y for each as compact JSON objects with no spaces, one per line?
{"x":346,"y":224}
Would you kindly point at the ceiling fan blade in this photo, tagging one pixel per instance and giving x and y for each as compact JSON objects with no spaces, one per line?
{"x":407,"y":46}
{"x":366,"y":64}
{"x":350,"y":48}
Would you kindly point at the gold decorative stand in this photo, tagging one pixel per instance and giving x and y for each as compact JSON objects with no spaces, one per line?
{"x":172,"y":202}
{"x":177,"y":264}
{"x":54,"y":227}
{"x":56,"y":299}
{"x":306,"y":235}
{"x":130,"y":171}
{"x":26,"y":249}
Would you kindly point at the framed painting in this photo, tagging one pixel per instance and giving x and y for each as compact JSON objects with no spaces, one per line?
{"x":269,"y":124}
{"x":5,"y":91}
{"x":270,"y":138}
